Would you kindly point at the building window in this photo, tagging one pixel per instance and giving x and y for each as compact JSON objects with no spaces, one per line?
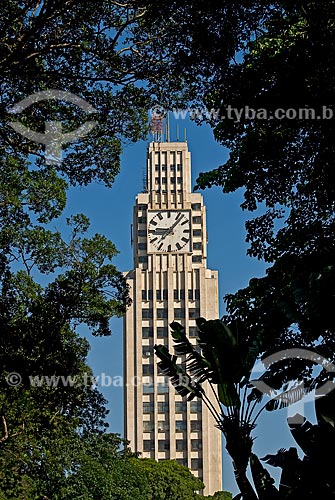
{"x":193,"y":332}
{"x":193,"y":313}
{"x":141,"y":232}
{"x":196,"y":444}
{"x":162,"y":313}
{"x":175,"y":294}
{"x":147,"y":351}
{"x":179,"y":168}
{"x":182,"y":461}
{"x":147,"y":369}
{"x":142,"y":246}
{"x":195,"y":406}
{"x":162,"y":332}
{"x":148,"y":408}
{"x":180,"y":425}
{"x":196,"y":232}
{"x":142,"y":207}
{"x":162,"y":388}
{"x":147,"y":332}
{"x":162,"y":407}
{"x":157,"y":180}
{"x":180,"y":406}
{"x":148,"y":445}
{"x":148,"y":426}
{"x":179,"y":180}
{"x":196,"y":258}
{"x":197,"y":245}
{"x":173,"y":180}
{"x":190,"y":294}
{"x":156,"y":168}
{"x":165,"y":294}
{"x":143,"y":259}
{"x":164,"y":167}
{"x":179,"y":313}
{"x":196,"y":219}
{"x":197,"y":294}
{"x":195,"y":425}
{"x":147,"y":313}
{"x":196,"y":463}
{"x":172,"y":168}
{"x":163,"y":180}
{"x":142,"y":220}
{"x":158,"y":294}
{"x":163,"y":445}
{"x":181,"y":445}
{"x":196,"y":206}
{"x":162,"y":426}
{"x":146,"y":294}
{"x":148,"y":388}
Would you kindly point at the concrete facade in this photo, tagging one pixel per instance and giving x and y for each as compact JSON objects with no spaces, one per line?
{"x":170,"y":281}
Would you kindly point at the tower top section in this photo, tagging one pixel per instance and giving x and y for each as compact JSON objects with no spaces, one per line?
{"x":168,"y":168}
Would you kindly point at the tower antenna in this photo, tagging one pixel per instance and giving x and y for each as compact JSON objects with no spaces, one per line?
{"x":157,"y":127}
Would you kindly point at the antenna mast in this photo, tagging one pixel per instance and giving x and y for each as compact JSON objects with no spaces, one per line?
{"x":157,"y":128}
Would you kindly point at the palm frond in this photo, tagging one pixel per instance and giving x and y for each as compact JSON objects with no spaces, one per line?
{"x":289,"y":397}
{"x":183,"y":383}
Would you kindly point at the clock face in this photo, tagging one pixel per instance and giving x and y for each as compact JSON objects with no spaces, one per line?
{"x":169,"y":231}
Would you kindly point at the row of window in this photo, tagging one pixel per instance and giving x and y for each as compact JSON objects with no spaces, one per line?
{"x":143,"y":259}
{"x":163,"y":407}
{"x":164,"y":445}
{"x":196,"y":464}
{"x":180,"y":407}
{"x":179,"y":313}
{"x":181,"y":425}
{"x":172,"y":167}
{"x":162,"y":426}
{"x":149,"y":388}
{"x":194,"y":206}
{"x":164,"y":191}
{"x":162,"y":332}
{"x":172,"y":180}
{"x":143,"y":220}
{"x":177,"y":294}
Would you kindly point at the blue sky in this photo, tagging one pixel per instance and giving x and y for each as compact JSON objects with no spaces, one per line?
{"x":110,"y":211}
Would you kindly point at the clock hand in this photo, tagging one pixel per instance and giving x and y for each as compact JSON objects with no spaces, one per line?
{"x":170,"y":230}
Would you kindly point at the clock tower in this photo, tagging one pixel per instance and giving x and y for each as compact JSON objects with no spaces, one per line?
{"x":169,"y":282}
